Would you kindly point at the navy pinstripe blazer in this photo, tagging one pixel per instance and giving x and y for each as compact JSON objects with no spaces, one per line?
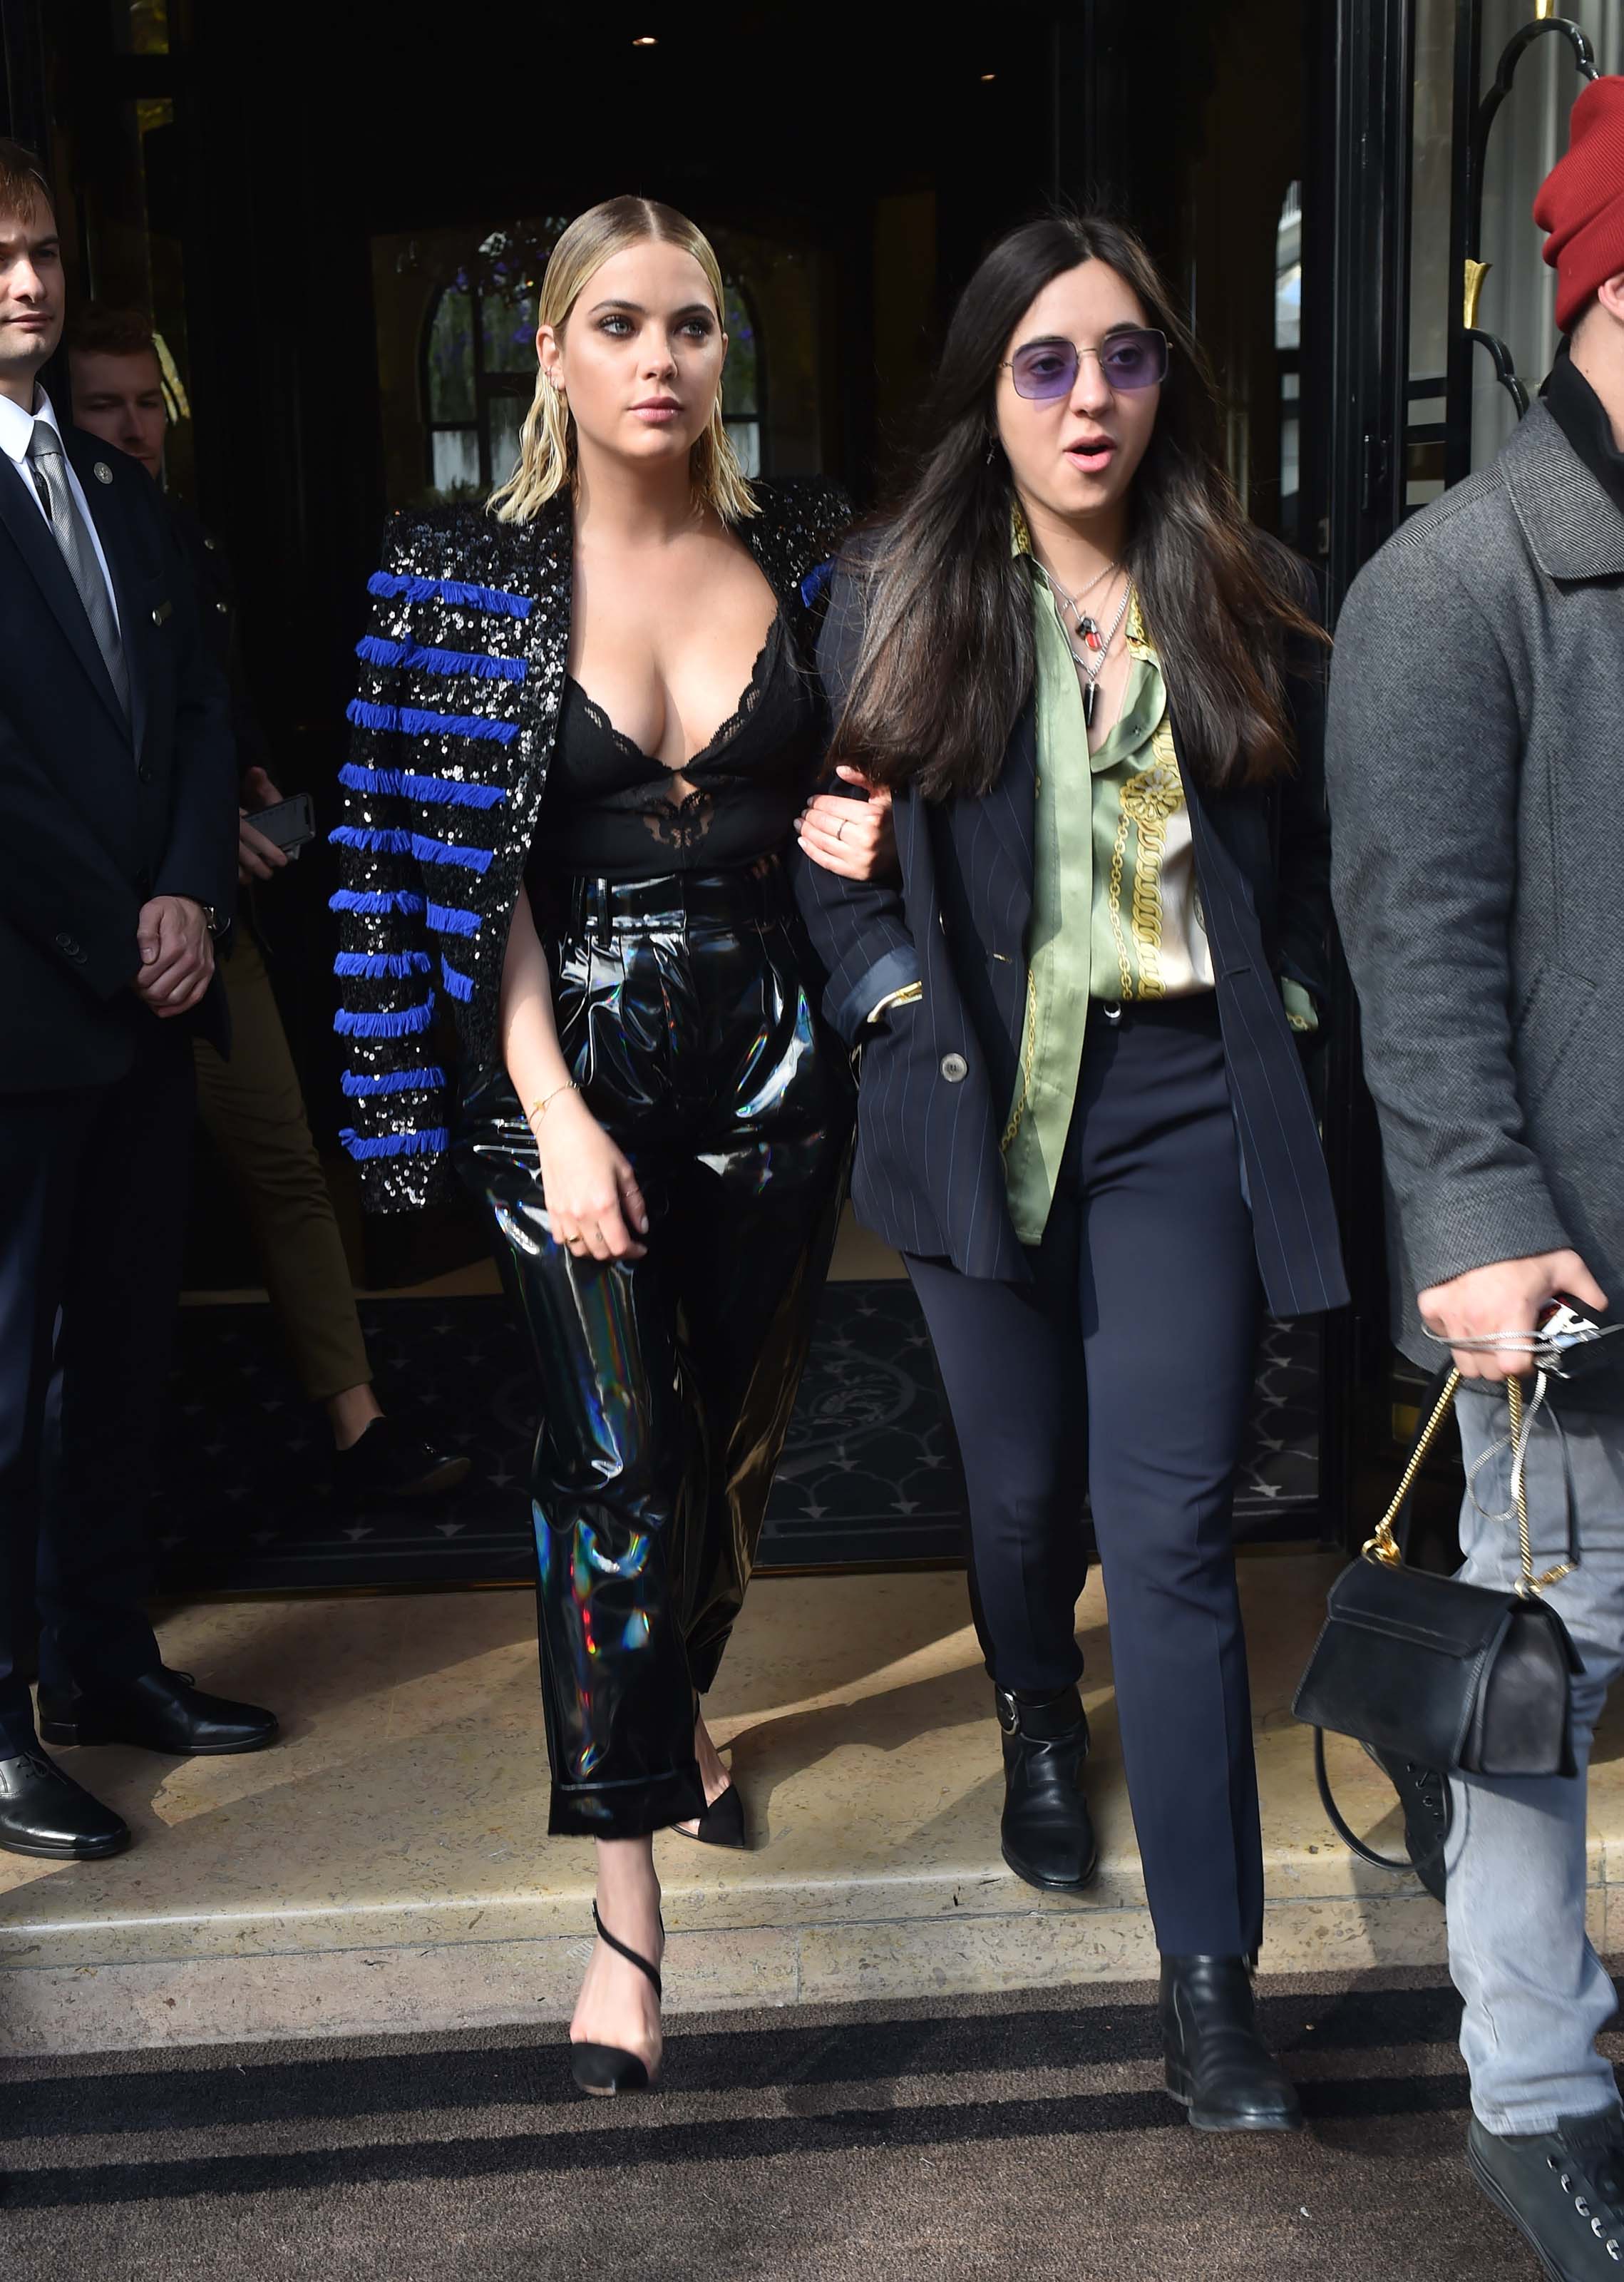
{"x":937,"y":1078}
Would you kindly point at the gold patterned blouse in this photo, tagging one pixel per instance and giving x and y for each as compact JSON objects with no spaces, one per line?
{"x":1148,"y":941}
{"x":1113,"y":903}
{"x":1116,"y":913}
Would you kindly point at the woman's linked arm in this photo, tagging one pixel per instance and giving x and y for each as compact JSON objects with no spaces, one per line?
{"x":858,"y":924}
{"x":850,"y":833}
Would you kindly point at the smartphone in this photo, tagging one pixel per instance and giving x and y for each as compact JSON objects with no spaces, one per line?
{"x":287,"y":823}
{"x":1575,"y":1336}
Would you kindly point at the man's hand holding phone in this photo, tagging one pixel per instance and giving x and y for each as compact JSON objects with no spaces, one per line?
{"x":257,"y":857}
{"x":1506,"y":1298}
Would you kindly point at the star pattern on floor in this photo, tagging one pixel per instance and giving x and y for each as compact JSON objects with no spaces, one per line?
{"x":869,"y":1471}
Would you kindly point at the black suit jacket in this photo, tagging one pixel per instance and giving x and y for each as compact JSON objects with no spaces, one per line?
{"x":220,"y":616}
{"x":937,"y":1078}
{"x":98,"y":814}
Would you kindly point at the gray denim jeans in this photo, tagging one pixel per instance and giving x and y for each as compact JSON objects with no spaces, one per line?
{"x":1535,"y":1989}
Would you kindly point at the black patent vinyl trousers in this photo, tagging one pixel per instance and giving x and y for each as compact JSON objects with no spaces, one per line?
{"x":667,"y":1383}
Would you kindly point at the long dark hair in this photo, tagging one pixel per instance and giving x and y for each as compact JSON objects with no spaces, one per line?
{"x":946,"y":658}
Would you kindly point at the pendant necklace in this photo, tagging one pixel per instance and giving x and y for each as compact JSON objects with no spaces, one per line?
{"x":1074,"y":602}
{"x":1096,"y":642}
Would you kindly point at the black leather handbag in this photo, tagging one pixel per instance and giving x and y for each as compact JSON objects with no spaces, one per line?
{"x":1464,"y":1678}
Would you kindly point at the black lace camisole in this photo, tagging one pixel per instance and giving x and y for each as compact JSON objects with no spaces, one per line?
{"x":608,"y":812}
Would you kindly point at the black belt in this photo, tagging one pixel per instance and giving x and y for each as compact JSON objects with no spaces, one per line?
{"x":1187,"y":1009}
{"x":753,"y":895}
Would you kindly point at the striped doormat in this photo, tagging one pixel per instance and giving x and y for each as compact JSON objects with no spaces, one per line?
{"x":1022,"y":2138}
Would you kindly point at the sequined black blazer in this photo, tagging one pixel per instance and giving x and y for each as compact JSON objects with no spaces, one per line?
{"x":463,"y":671}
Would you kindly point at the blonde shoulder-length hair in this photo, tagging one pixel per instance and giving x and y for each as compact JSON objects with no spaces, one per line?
{"x":547,"y":441}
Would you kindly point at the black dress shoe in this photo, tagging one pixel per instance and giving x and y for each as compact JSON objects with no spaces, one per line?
{"x":160,"y":1712}
{"x":1563,"y":2190}
{"x":1046,"y":1831}
{"x":391,"y":1461}
{"x":45,"y":1812}
{"x":1217,"y":2065}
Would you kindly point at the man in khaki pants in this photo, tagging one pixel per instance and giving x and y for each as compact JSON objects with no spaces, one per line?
{"x":251,"y":1105}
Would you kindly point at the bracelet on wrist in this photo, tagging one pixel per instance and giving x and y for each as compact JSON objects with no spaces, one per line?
{"x":539,"y":1107}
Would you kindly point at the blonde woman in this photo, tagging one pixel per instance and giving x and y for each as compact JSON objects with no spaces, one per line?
{"x":587,"y":727}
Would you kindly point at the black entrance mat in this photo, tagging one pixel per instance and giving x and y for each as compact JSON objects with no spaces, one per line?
{"x":894,"y":2141}
{"x":870,"y":1472}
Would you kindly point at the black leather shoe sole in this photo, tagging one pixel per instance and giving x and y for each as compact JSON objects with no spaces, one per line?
{"x":438,"y":1480}
{"x":445,"y":1475}
{"x":1208,"y":2119}
{"x":1052,"y":1885}
{"x":69,"y":1732}
{"x":67,"y":1850}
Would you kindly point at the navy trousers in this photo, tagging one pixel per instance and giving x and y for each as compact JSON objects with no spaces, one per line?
{"x":1127,"y":1368}
{"x":93,"y":1189}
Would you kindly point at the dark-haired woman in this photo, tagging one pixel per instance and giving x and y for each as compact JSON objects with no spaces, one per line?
{"x":1093,"y":689}
{"x":588,"y":725}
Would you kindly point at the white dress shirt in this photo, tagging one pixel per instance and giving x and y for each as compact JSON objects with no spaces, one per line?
{"x":16,"y":430}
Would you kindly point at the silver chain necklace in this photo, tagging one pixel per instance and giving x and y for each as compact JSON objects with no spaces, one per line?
{"x":1090,"y":660}
{"x":1074,"y":602}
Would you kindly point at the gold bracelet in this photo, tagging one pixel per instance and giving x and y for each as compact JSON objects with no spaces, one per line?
{"x":540,"y":1108}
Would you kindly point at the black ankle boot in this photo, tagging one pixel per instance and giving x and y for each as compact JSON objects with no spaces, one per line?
{"x":1047,"y":1834}
{"x":1217,"y":2065}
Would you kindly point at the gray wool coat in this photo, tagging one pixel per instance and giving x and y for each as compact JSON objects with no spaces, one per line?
{"x":1474,"y":759}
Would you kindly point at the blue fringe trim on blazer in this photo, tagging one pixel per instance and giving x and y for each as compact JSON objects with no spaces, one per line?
{"x":372,"y":902}
{"x":458,"y":986}
{"x":494,"y":599}
{"x":387,"y":1024}
{"x":388,"y":840}
{"x":393,"y":840}
{"x":414,"y":721}
{"x":451,"y":919}
{"x":423,"y":658}
{"x":380,"y":962}
{"x":429,"y":1079}
{"x":427,"y":1141}
{"x":455,"y":790}
{"x":442,"y":851}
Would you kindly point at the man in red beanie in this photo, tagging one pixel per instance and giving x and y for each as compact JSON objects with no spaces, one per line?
{"x":1581,"y":203}
{"x":1475,"y":761}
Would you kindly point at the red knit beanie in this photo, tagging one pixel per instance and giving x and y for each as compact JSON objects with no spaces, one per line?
{"x":1580,"y":202}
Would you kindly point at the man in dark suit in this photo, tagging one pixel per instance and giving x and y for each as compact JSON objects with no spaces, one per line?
{"x":118,"y":858}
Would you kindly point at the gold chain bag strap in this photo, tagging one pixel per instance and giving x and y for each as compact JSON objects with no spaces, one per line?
{"x":1383,"y":1545}
{"x":1463,"y":1679}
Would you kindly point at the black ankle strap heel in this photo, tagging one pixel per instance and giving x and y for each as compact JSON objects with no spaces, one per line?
{"x":606,"y":2067}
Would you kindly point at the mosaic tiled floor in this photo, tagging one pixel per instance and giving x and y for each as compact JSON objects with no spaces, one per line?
{"x":870,"y":1473}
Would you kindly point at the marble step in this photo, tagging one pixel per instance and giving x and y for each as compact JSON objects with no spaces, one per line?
{"x":385,"y":1866}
